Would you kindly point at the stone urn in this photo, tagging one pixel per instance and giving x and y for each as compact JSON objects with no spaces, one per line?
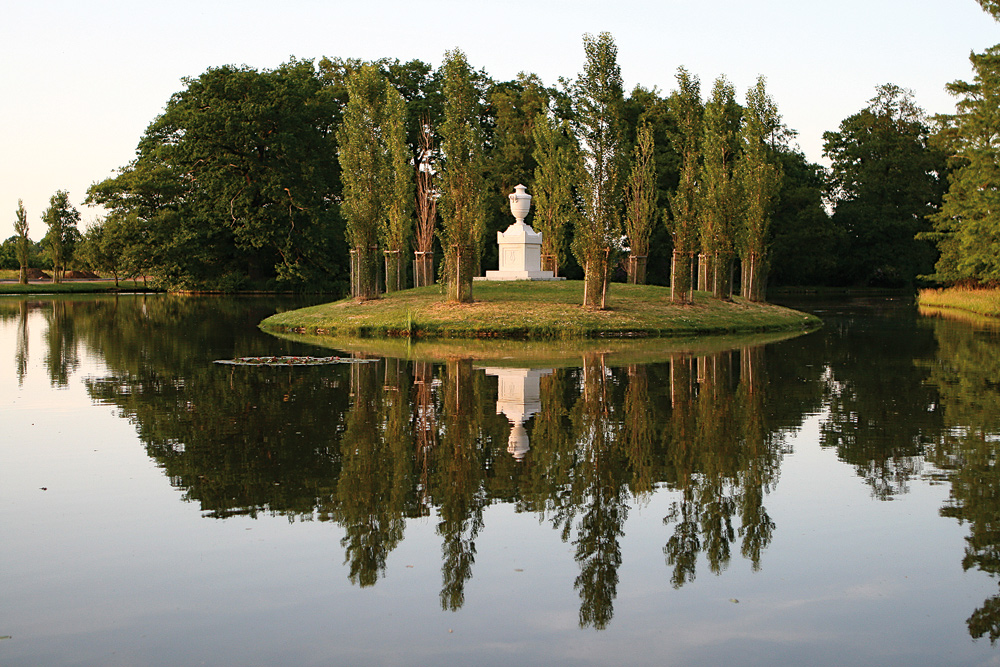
{"x":520,"y":203}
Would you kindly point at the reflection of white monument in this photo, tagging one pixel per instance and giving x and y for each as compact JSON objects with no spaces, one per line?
{"x":519,"y":396}
{"x":520,"y":245}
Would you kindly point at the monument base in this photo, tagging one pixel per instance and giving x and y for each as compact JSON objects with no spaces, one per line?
{"x":518,"y":275}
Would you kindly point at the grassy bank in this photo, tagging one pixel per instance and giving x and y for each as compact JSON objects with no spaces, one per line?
{"x":537,"y":310}
{"x":979,"y":301}
{"x":72,"y":287}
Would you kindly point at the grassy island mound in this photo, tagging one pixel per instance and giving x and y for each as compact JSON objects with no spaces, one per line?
{"x":537,"y":310}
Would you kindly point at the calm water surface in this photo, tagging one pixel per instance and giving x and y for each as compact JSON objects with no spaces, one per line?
{"x":832,"y":499}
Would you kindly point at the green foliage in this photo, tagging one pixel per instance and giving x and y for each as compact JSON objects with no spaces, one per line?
{"x":806,"y":246}
{"x":235,"y":179}
{"x":991,"y":6}
{"x":885,"y":180}
{"x":758,"y":177}
{"x":376,"y":176}
{"x":556,"y":176}
{"x":717,"y":205}
{"x":23,"y":244}
{"x":463,"y":183}
{"x":640,"y":208}
{"x":513,"y":107}
{"x":967,"y":227}
{"x":61,"y":218}
{"x":598,"y":105}
{"x":687,"y":110}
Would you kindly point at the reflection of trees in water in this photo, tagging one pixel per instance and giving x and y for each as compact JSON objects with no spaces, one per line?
{"x":882,"y":411}
{"x":407,"y":440}
{"x":723,"y":457}
{"x":376,"y":467}
{"x":21,"y":346}
{"x":967,"y":375}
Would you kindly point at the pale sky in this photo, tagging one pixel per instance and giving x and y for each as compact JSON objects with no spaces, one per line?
{"x":80,"y":81}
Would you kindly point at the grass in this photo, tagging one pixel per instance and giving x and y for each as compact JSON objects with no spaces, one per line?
{"x":536,"y":310}
{"x":73,"y":287}
{"x":983,"y":301}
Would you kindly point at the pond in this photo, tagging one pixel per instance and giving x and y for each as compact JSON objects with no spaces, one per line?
{"x":827,"y":499}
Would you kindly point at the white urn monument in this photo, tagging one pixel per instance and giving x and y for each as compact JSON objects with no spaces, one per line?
{"x":520,"y":245}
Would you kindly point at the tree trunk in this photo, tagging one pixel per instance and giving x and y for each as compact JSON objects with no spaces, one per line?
{"x":723,"y":278}
{"x":705,"y":272}
{"x":394,"y":279}
{"x":681,"y":286}
{"x":549,"y":263}
{"x":460,"y":271}
{"x":22,"y":277}
{"x":637,"y":269}
{"x":754,"y":282}
{"x":423,"y":268}
{"x":595,"y":281}
{"x":364,"y":273}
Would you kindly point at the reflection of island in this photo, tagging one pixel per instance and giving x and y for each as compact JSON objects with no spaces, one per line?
{"x":519,"y":398}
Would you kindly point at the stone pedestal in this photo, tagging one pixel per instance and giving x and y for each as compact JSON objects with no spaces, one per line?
{"x":519,"y":396}
{"x":520,"y":245}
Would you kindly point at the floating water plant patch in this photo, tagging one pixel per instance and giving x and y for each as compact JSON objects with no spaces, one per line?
{"x":291,"y":361}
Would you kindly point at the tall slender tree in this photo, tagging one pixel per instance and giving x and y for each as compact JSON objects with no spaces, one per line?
{"x":427,"y":196}
{"x":23,"y":242}
{"x":599,"y":117}
{"x":558,"y":171}
{"x":397,"y":227}
{"x":758,"y":175}
{"x":716,"y":188}
{"x":463,"y":181}
{"x":376,"y":174}
{"x":640,"y":206}
{"x":686,"y":107}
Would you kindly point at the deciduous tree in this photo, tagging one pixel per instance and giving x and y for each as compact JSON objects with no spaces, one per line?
{"x":716,"y":189}
{"x":62,"y":219}
{"x":23,"y":242}
{"x":885,"y":180}
{"x":463,"y":182}
{"x":967,"y":228}
{"x":640,"y":207}
{"x":686,"y":108}
{"x":558,"y":172}
{"x":758,"y":176}
{"x":599,"y":112}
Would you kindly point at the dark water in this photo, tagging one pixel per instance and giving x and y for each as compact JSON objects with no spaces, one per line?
{"x":833,"y":499}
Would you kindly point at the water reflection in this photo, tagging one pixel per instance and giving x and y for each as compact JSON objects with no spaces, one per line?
{"x":966,"y":372}
{"x":369,"y":446}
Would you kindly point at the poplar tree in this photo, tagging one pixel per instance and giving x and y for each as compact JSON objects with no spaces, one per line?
{"x":758,"y":176}
{"x":686,"y":107}
{"x":599,"y":106}
{"x":23,"y":242}
{"x":967,"y":228}
{"x":640,"y":206}
{"x":717,"y":190}
{"x":374,"y":160}
{"x":423,"y":254}
{"x":463,"y":181}
{"x":558,"y":170}
{"x":397,"y":227}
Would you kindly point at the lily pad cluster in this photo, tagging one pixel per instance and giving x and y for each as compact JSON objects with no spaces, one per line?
{"x":290,"y":361}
